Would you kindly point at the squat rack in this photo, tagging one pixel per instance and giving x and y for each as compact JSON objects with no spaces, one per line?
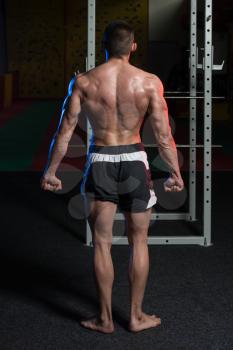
{"x":207,"y":66}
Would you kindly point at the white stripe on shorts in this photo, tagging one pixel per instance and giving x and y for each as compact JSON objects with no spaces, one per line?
{"x":152,"y":200}
{"x":138,"y":155}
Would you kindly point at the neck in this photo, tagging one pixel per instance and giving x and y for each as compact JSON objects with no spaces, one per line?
{"x":124,"y":59}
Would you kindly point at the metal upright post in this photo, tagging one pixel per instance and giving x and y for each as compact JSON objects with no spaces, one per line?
{"x":205,"y":239}
{"x":192,"y":110}
{"x":90,"y":48}
{"x":208,"y":63}
{"x":91,"y":35}
{"x":90,"y":64}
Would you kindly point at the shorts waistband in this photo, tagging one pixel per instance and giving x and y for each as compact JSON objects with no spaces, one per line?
{"x":117,"y":149}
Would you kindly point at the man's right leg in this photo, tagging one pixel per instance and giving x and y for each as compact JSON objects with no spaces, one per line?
{"x":101,"y":219}
{"x":137,"y":229}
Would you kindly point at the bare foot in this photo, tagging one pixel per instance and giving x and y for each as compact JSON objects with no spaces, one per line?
{"x":97,"y":325}
{"x":144,"y":322}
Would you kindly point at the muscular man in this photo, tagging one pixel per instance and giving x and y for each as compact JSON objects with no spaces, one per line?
{"x":116,"y":97}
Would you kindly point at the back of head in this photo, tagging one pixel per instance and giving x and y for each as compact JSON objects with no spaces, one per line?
{"x":118,"y":38}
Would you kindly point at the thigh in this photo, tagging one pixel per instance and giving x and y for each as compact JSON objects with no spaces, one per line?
{"x":101,"y":218}
{"x":100,"y":181}
{"x":136,"y":193}
{"x":137,"y":224}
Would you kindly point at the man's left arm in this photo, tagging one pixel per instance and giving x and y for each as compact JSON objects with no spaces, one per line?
{"x":69,"y":118}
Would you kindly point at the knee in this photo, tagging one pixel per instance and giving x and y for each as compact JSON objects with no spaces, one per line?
{"x":102,"y":244}
{"x":102,"y":240}
{"x":138,"y":237}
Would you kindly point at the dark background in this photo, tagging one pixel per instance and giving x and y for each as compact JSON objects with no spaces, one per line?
{"x":42,"y":44}
{"x":46,"y":279}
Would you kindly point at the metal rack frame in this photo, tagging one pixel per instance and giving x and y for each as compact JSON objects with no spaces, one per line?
{"x":205,"y":239}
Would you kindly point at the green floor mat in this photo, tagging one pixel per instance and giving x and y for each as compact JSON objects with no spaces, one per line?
{"x":21,"y":137}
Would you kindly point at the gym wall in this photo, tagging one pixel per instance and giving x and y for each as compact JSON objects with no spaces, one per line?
{"x":35,"y":41}
{"x":3,"y":56}
{"x":47,"y":40}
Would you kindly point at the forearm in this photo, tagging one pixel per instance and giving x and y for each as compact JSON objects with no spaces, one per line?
{"x":69,"y":118}
{"x":168,"y":152}
{"x":57,"y":151}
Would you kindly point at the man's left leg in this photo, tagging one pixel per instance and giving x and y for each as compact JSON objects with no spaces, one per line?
{"x":101,"y":217}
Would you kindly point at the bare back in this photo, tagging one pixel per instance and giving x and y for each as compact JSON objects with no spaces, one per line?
{"x":116,"y":97}
{"x":115,"y":100}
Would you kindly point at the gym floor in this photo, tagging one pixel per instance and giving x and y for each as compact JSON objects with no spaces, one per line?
{"x":45,"y":292}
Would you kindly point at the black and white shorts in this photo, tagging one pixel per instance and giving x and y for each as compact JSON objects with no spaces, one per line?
{"x":119,"y":174}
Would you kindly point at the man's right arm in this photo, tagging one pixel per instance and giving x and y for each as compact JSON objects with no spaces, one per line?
{"x":158,"y":117}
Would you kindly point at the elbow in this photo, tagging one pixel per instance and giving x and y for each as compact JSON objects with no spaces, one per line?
{"x":165,"y":141}
{"x":64,"y":137}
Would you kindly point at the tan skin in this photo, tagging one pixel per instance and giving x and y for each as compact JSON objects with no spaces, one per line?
{"x":116,"y":97}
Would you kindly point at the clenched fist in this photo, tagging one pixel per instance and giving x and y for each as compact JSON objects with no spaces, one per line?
{"x":50,"y":182}
{"x":173,"y":184}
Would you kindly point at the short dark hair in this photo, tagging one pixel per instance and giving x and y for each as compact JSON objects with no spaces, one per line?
{"x":118,"y":38}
